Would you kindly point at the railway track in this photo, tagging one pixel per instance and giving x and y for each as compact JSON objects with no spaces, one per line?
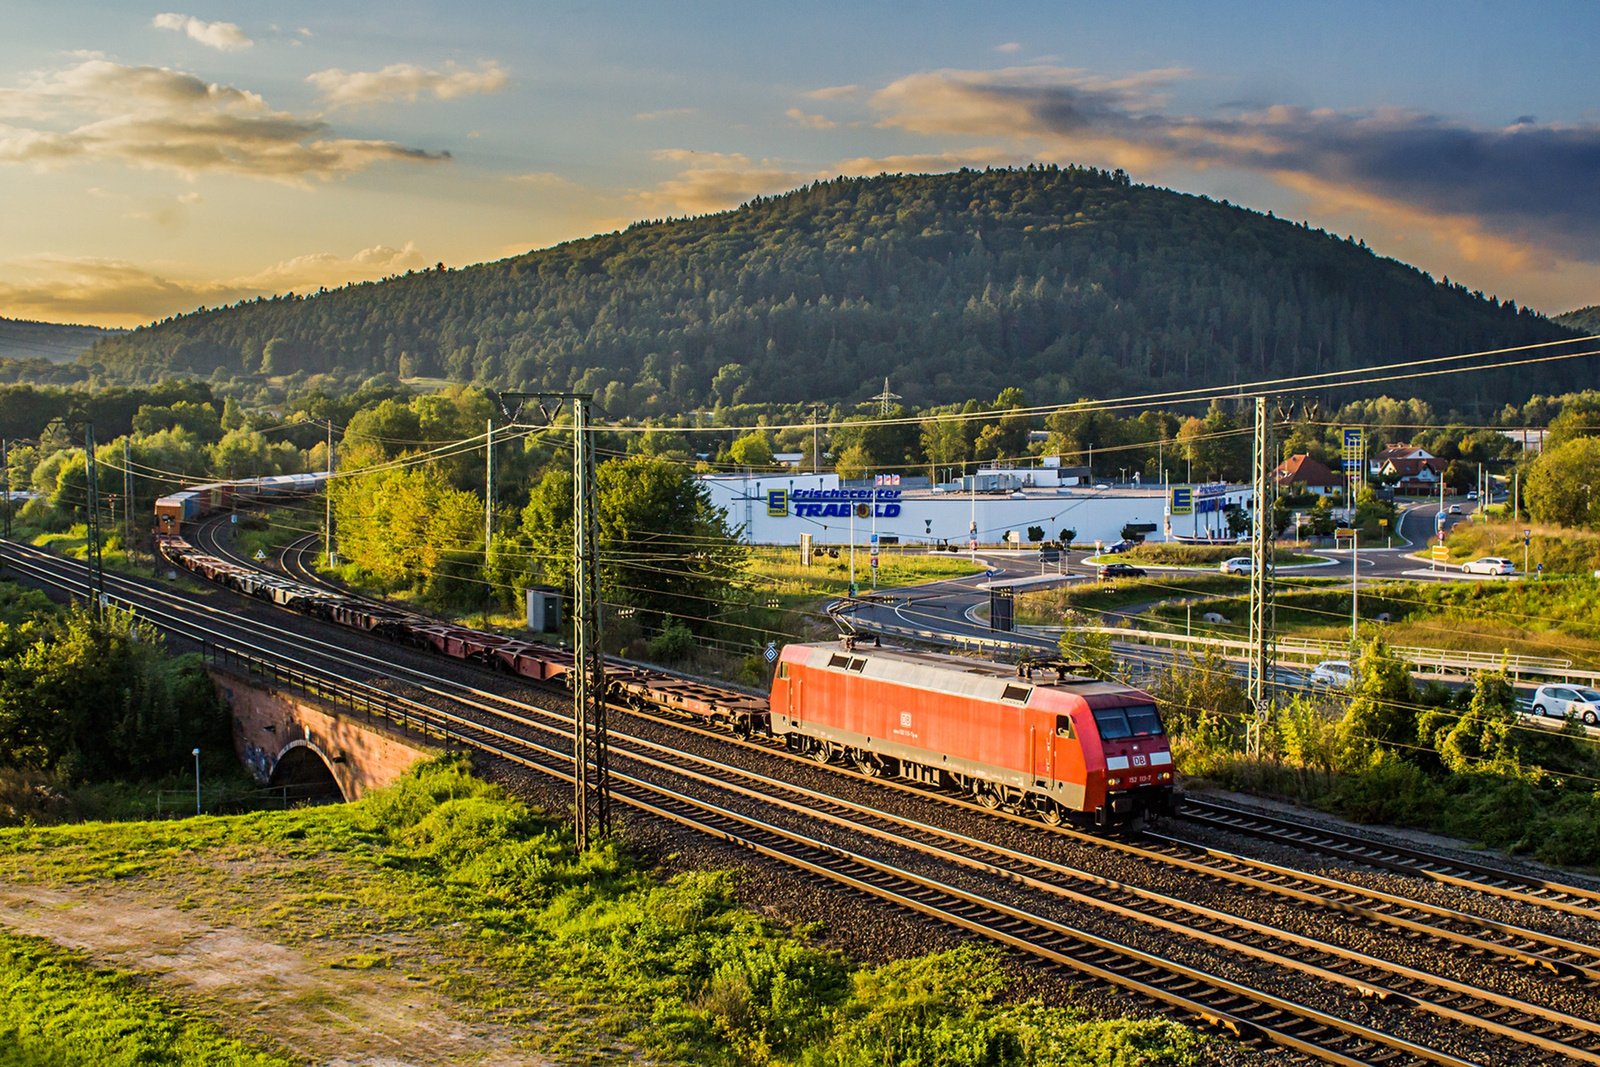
{"x":1577,"y":900}
{"x":1528,"y":1025}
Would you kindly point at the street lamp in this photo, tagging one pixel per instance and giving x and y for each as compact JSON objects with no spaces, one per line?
{"x":197,"y":781}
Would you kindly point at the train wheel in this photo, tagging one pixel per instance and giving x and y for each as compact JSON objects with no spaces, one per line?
{"x":987,"y":795}
{"x":1051,"y":813}
{"x":823,"y":752}
{"x":868,"y":764}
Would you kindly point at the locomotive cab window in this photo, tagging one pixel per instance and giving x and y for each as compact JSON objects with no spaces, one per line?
{"x":783,"y":669}
{"x":837,"y":660}
{"x":1117,"y":724}
{"x":1018,"y":693}
{"x":1064,"y":727}
{"x":858,"y":665}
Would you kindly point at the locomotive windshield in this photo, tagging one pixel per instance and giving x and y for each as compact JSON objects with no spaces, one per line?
{"x":1117,"y":724}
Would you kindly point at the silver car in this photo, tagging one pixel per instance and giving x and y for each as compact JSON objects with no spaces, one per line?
{"x":1559,"y":701}
{"x":1495,"y":565}
{"x":1335,"y":673}
{"x":1237,"y":565}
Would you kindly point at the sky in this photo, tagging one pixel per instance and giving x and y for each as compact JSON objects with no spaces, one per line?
{"x":154,"y":160}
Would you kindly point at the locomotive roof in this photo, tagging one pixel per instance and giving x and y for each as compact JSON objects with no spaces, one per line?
{"x":942,"y":671}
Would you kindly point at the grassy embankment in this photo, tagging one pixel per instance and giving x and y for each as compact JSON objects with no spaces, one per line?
{"x":1172,"y":554}
{"x":1563,"y":550}
{"x":444,"y":893}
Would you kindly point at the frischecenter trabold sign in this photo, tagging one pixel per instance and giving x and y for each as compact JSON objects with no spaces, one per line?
{"x":832,"y":503}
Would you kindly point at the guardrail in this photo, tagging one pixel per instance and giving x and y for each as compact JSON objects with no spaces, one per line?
{"x":1435,"y":660}
{"x":355,"y":698}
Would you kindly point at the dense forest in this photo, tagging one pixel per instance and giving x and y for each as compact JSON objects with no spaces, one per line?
{"x":1067,"y":283}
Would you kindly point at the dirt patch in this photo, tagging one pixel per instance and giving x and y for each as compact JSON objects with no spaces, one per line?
{"x":332,"y":1001}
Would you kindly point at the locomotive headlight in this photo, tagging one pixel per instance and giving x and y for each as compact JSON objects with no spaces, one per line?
{"x":1113,"y":781}
{"x":1165,"y":776}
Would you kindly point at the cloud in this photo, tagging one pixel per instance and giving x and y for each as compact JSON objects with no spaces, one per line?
{"x":113,"y":292}
{"x":406,"y":81}
{"x":714,"y":181}
{"x":157,"y":117}
{"x":223,"y":36}
{"x":810,"y":122}
{"x":665,"y":113}
{"x":1496,"y":188}
{"x":931,"y":162}
{"x":832,"y":92}
{"x":542,"y":179}
{"x":1009,"y":46}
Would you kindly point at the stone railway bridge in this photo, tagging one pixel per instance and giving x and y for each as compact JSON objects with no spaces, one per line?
{"x":286,"y":738}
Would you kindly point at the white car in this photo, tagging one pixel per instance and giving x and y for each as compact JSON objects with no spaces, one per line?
{"x":1489,"y":565}
{"x":1559,"y":701}
{"x":1237,"y":565}
{"x":1334,"y":672}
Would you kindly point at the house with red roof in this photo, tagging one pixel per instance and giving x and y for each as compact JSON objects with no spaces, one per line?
{"x":1303,"y":470}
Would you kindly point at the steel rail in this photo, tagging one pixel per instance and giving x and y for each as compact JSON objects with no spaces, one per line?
{"x":1429,"y":865}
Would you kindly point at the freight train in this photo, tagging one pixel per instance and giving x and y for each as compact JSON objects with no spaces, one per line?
{"x":1035,"y":739}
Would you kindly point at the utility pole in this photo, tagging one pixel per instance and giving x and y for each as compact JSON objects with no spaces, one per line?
{"x":1355,"y":576}
{"x":1263,"y":620}
{"x":5,"y":475}
{"x":327,"y":503}
{"x":591,"y":758}
{"x":488,"y":515}
{"x":816,"y":438}
{"x":127,"y":497}
{"x":97,"y":578}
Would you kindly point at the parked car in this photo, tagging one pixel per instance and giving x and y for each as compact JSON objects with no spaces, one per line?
{"x":1455,"y":509}
{"x":1102,"y":485}
{"x":1489,"y":565}
{"x":1121,"y":546}
{"x":1121,"y":570}
{"x":1559,"y":701}
{"x":1236,"y":565}
{"x":1336,"y":673}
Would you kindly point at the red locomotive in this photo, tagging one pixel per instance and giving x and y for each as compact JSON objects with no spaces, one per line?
{"x":1034,"y":739}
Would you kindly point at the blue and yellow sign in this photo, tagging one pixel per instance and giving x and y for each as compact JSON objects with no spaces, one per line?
{"x":777,"y":503}
{"x":1183,"y":500}
{"x":1355,"y":448}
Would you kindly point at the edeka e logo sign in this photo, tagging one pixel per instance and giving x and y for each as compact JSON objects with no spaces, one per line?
{"x":777,"y":503}
{"x":838,"y":503}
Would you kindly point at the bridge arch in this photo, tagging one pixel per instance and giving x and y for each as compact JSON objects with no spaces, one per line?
{"x":306,"y":767}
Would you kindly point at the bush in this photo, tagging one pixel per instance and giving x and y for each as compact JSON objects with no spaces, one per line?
{"x":675,"y":644}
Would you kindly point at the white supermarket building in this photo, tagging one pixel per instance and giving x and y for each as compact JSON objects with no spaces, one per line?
{"x":995,"y":506}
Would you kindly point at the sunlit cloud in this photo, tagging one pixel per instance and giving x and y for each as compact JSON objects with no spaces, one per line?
{"x":223,"y":36}
{"x":833,"y":92}
{"x":810,"y":122}
{"x":158,"y":117}
{"x":1009,"y":46}
{"x":406,"y":81}
{"x":714,"y":181}
{"x":664,"y":113}
{"x":113,"y":292}
{"x":1499,"y":190}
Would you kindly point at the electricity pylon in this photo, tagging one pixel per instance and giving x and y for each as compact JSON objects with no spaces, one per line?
{"x":591,"y":750}
{"x":1263,"y":614}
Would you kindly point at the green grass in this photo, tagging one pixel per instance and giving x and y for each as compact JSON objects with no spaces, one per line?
{"x":445,"y":878}
{"x":1051,"y":607}
{"x":59,"y":1010}
{"x":1172,"y":554}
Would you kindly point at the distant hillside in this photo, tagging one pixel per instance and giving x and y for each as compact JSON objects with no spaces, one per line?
{"x":59,"y":343}
{"x":1584,"y":320}
{"x":1067,"y":283}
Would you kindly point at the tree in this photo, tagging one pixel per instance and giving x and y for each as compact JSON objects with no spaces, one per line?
{"x":1066,"y":537}
{"x":1483,"y":738}
{"x":232,"y":414}
{"x":1561,"y":484}
{"x":663,"y":548}
{"x":1382,"y":717}
{"x":1580,"y":417}
{"x":275,"y":357}
{"x":752,"y":450}
{"x":852,"y":463}
{"x":1035,"y":534}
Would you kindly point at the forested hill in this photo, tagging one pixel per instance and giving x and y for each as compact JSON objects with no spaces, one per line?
{"x":1584,"y":320}
{"x":1066,"y":282}
{"x":57,"y":342}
